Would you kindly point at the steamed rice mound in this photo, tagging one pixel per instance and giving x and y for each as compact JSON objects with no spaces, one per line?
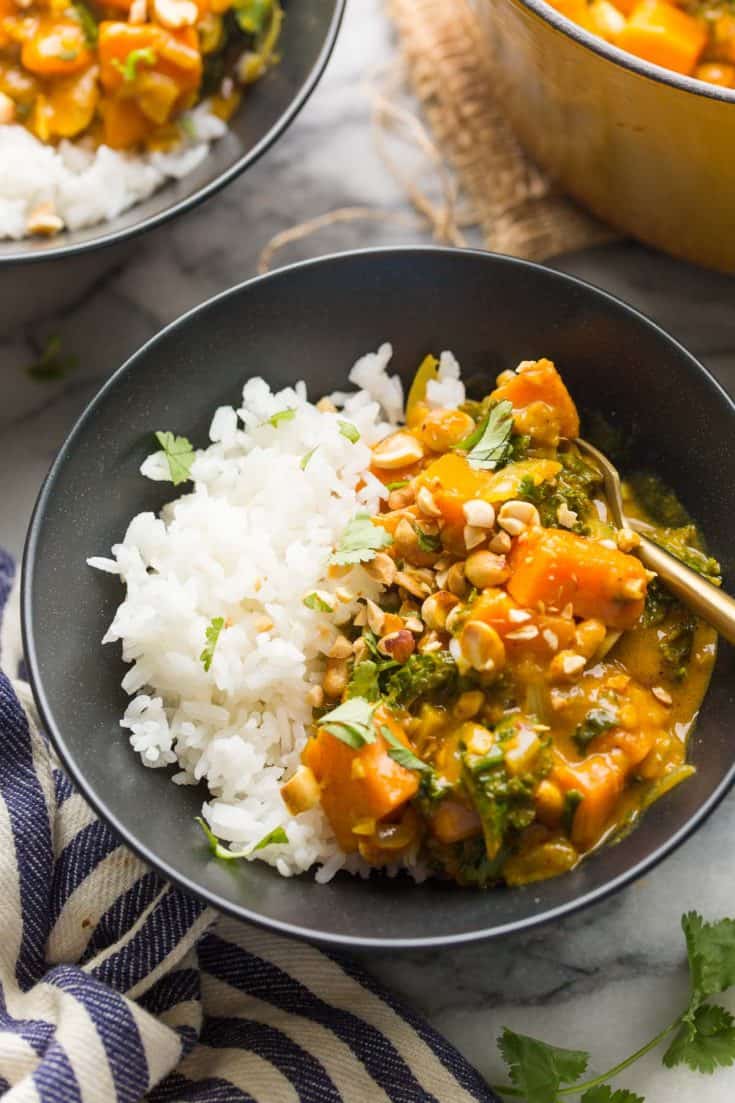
{"x":248,"y":543}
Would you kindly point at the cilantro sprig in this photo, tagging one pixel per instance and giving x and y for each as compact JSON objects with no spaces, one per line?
{"x":180,"y":455}
{"x":360,"y":541}
{"x":128,"y":69}
{"x":277,"y":837}
{"x":211,"y":634}
{"x":703,"y":1034}
{"x":488,"y":445}
{"x":351,"y":722}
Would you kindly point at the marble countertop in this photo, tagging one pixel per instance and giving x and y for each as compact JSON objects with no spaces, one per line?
{"x":608,"y":978}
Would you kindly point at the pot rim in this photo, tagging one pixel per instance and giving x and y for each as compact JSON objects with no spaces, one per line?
{"x":622,"y":58}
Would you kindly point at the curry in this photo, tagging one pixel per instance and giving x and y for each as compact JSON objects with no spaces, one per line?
{"x":696,"y":37}
{"x":523,"y":689}
{"x":123,"y":72}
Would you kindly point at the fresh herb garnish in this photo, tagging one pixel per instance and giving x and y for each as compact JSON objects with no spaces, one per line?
{"x":352,"y":722}
{"x":86,"y":21}
{"x":704,"y":1033}
{"x":318,"y":604}
{"x":360,"y":541}
{"x":400,"y":753}
{"x":276,"y":837}
{"x":397,"y":485}
{"x":280,"y":417}
{"x":129,"y":68}
{"x":306,"y":457}
{"x":212,"y":635}
{"x":595,"y":723}
{"x":364,"y":681}
{"x":487,"y":446}
{"x":180,"y":455}
{"x":51,"y":364}
{"x":428,"y":541}
{"x":347,"y":429}
{"x":253,"y":15}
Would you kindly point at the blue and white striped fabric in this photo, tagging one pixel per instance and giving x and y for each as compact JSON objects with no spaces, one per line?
{"x":115,"y":986}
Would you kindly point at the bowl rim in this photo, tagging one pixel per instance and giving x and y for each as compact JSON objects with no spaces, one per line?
{"x":189,"y":202}
{"x":622,"y":58}
{"x":127,"y":835}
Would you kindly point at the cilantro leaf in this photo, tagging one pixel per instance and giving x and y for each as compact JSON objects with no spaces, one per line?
{"x":489,"y":450}
{"x":277,"y":836}
{"x":360,"y":541}
{"x":396,"y":485}
{"x":252,"y":15}
{"x":87,"y":22}
{"x":538,"y":1069}
{"x":428,"y":542}
{"x":280,"y":417}
{"x":347,"y":429}
{"x":212,"y":635}
{"x":705,"y":1041}
{"x":351,"y":722}
{"x":364,"y":681}
{"x":180,"y":455}
{"x":317,"y":603}
{"x":400,"y":753}
{"x":306,"y":457}
{"x":711,"y":952}
{"x":604,"y":1094}
{"x":129,"y":68}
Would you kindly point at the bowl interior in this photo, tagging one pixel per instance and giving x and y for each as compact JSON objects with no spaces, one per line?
{"x":308,"y":35}
{"x":312,"y":321}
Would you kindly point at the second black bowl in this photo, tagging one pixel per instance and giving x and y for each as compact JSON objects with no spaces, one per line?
{"x":312,"y":321}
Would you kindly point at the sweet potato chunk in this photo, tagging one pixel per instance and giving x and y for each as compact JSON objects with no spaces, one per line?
{"x":557,"y":568}
{"x":358,"y":785}
{"x":665,"y":35}
{"x":540,"y":382}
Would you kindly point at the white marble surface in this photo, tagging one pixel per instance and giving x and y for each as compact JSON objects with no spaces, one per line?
{"x":605,"y":979}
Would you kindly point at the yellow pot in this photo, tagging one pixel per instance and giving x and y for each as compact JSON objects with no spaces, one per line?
{"x":647,"y":150}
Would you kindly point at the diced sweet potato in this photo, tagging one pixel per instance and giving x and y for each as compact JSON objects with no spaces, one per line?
{"x":57,"y":48}
{"x":554,"y":567}
{"x":664,"y":34}
{"x":599,"y":779}
{"x":540,"y":382}
{"x":453,"y":481}
{"x":358,"y":785}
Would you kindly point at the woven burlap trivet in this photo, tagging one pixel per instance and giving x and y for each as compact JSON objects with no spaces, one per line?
{"x":450,"y":71}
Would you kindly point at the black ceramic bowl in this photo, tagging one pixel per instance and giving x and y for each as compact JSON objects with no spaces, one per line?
{"x":309,"y":33}
{"x":312,"y":321}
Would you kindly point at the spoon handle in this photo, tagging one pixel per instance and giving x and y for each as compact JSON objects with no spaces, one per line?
{"x":702,"y":597}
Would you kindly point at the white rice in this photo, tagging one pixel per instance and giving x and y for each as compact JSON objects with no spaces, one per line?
{"x":84,"y":186}
{"x":248,"y":543}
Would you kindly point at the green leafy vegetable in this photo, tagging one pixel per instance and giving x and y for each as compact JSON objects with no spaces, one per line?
{"x":428,"y":542}
{"x":572,"y":800}
{"x":574,"y":487}
{"x":400,"y":753}
{"x":658,"y":500}
{"x":675,"y":642}
{"x":347,"y":429}
{"x":419,"y":676}
{"x":318,"y":604}
{"x":364,"y":681}
{"x":501,"y":801}
{"x":280,"y":417}
{"x":212,"y":635}
{"x":180,"y":455}
{"x":487,"y":447}
{"x":129,"y":68}
{"x":538,"y":1069}
{"x":360,"y":541}
{"x":276,"y":837}
{"x":306,"y":457}
{"x":595,"y":723}
{"x":704,"y":1033}
{"x":253,"y":15}
{"x":351,"y":722}
{"x":52,"y":364}
{"x":397,"y":485}
{"x":87,"y":22}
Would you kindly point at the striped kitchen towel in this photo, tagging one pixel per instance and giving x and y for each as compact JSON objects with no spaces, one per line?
{"x":115,"y":986}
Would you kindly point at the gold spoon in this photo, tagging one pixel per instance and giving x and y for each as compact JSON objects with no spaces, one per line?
{"x":702,"y":597}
